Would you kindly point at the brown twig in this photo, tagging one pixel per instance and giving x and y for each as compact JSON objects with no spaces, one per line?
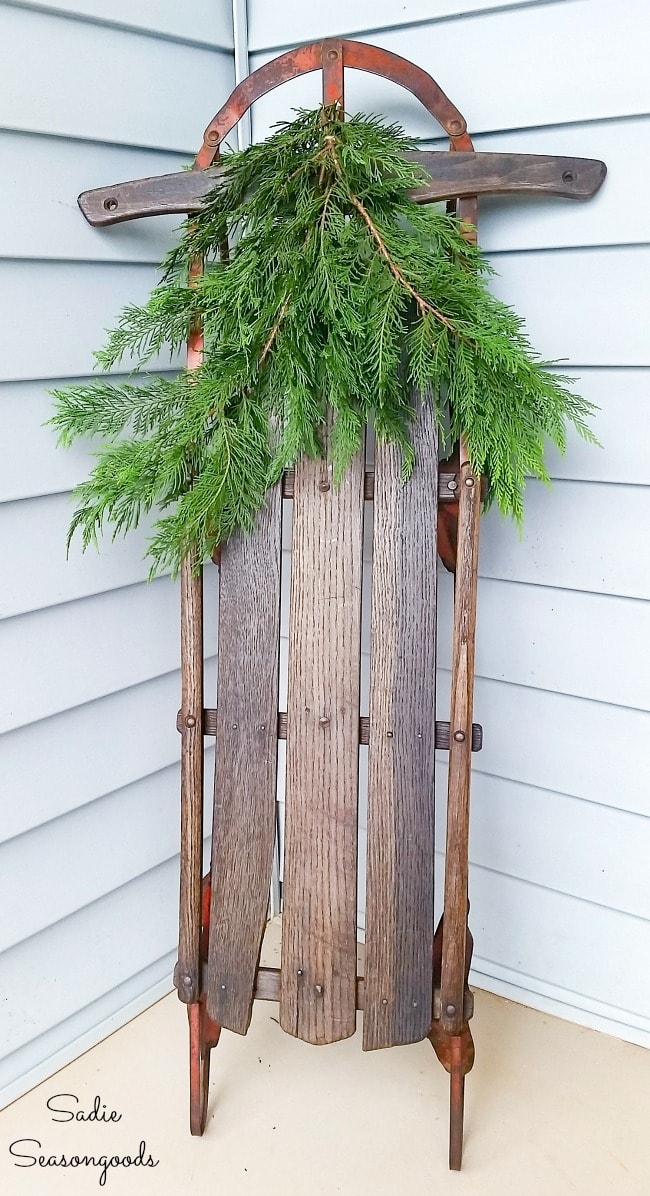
{"x":274,"y":332}
{"x":422,"y":303}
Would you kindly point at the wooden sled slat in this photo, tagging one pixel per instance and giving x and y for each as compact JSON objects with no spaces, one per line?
{"x":188,"y":971}
{"x":243,"y":833}
{"x":400,"y":862}
{"x":318,"y":985}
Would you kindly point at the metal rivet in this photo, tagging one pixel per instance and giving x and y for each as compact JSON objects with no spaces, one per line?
{"x":300,"y":971}
{"x":419,"y":734}
{"x":456,"y":126}
{"x":319,"y":988}
{"x":212,"y":138}
{"x":384,"y":1002}
{"x":233,"y":726}
{"x":459,"y":736}
{"x":190,"y":721}
{"x":110,"y":205}
{"x":568,"y":176}
{"x":389,"y":734}
{"x":452,"y":485}
{"x":332,"y":54}
{"x":187,"y":979}
{"x":415,"y":1004}
{"x":323,"y":721}
{"x":323,"y":486}
{"x":469,"y":481}
{"x":450,"y":1010}
{"x":223,"y":988}
{"x":262,"y":726}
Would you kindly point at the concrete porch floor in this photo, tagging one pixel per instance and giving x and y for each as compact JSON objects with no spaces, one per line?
{"x":551,"y":1110}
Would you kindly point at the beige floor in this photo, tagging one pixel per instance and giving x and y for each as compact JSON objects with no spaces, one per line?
{"x":551,"y":1110}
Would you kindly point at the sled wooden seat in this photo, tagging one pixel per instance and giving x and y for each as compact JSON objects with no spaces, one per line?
{"x":318,"y":984}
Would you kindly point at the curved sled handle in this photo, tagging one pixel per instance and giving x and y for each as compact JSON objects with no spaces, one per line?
{"x":331,"y":55}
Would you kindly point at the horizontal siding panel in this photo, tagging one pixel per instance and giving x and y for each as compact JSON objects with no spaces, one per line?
{"x":25,"y":408}
{"x":34,"y":1062}
{"x":564,"y":641}
{"x":91,"y":852}
{"x":578,"y":535}
{"x":581,"y":306}
{"x":552,"y":998}
{"x":557,"y":742}
{"x":115,"y":640}
{"x":284,"y":25}
{"x":622,"y":425}
{"x":91,"y":751}
{"x":106,"y":84}
{"x":546,"y":222}
{"x":87,"y":954}
{"x":578,"y":42}
{"x":71,"y":305}
{"x":211,"y":20}
{"x":582,"y":948}
{"x":42,"y":177}
{"x":34,"y":570}
{"x":578,"y":848}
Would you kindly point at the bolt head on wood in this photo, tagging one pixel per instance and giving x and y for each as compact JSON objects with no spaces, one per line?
{"x":190,"y":721}
{"x":459,"y":736}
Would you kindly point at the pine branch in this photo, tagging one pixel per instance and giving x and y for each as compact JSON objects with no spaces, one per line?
{"x":338,"y":295}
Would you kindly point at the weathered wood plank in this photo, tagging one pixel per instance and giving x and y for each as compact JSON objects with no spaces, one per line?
{"x":400,"y":864}
{"x":246,"y":764}
{"x":318,"y":983}
{"x":455,"y":931}
{"x":451,"y":175}
{"x":187,"y":975}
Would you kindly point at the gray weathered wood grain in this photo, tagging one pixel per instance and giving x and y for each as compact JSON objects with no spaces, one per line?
{"x":246,"y":763}
{"x":400,"y":860}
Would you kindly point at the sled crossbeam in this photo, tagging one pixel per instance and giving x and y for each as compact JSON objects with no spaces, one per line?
{"x":447,"y":485}
{"x":210,"y":722}
{"x":267,"y":988}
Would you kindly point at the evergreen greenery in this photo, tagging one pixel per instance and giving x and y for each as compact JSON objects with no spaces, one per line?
{"x":338,"y":293}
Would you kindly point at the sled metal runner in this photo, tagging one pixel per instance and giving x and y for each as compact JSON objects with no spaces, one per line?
{"x":416,"y":976}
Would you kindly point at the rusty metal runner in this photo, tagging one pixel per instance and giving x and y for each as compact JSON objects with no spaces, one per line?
{"x":466,"y":175}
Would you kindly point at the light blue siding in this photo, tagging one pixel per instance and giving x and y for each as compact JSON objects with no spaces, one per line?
{"x":92,"y":92}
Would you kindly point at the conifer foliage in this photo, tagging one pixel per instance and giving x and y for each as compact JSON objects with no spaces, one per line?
{"x":339,"y":294}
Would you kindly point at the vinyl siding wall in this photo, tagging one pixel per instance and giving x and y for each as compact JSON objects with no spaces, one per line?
{"x":90,"y":93}
{"x":560,"y":835}
{"x":89,"y":826}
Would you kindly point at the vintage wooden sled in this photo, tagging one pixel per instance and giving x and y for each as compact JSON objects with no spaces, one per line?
{"x":416,"y":976}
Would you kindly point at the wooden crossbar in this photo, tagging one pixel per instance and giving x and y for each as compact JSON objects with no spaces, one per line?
{"x":442,"y":731}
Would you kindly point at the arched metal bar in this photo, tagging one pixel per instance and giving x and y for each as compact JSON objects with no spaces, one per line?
{"x":326,"y":55}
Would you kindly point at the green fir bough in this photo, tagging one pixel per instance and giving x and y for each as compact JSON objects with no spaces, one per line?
{"x":338,"y":293}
